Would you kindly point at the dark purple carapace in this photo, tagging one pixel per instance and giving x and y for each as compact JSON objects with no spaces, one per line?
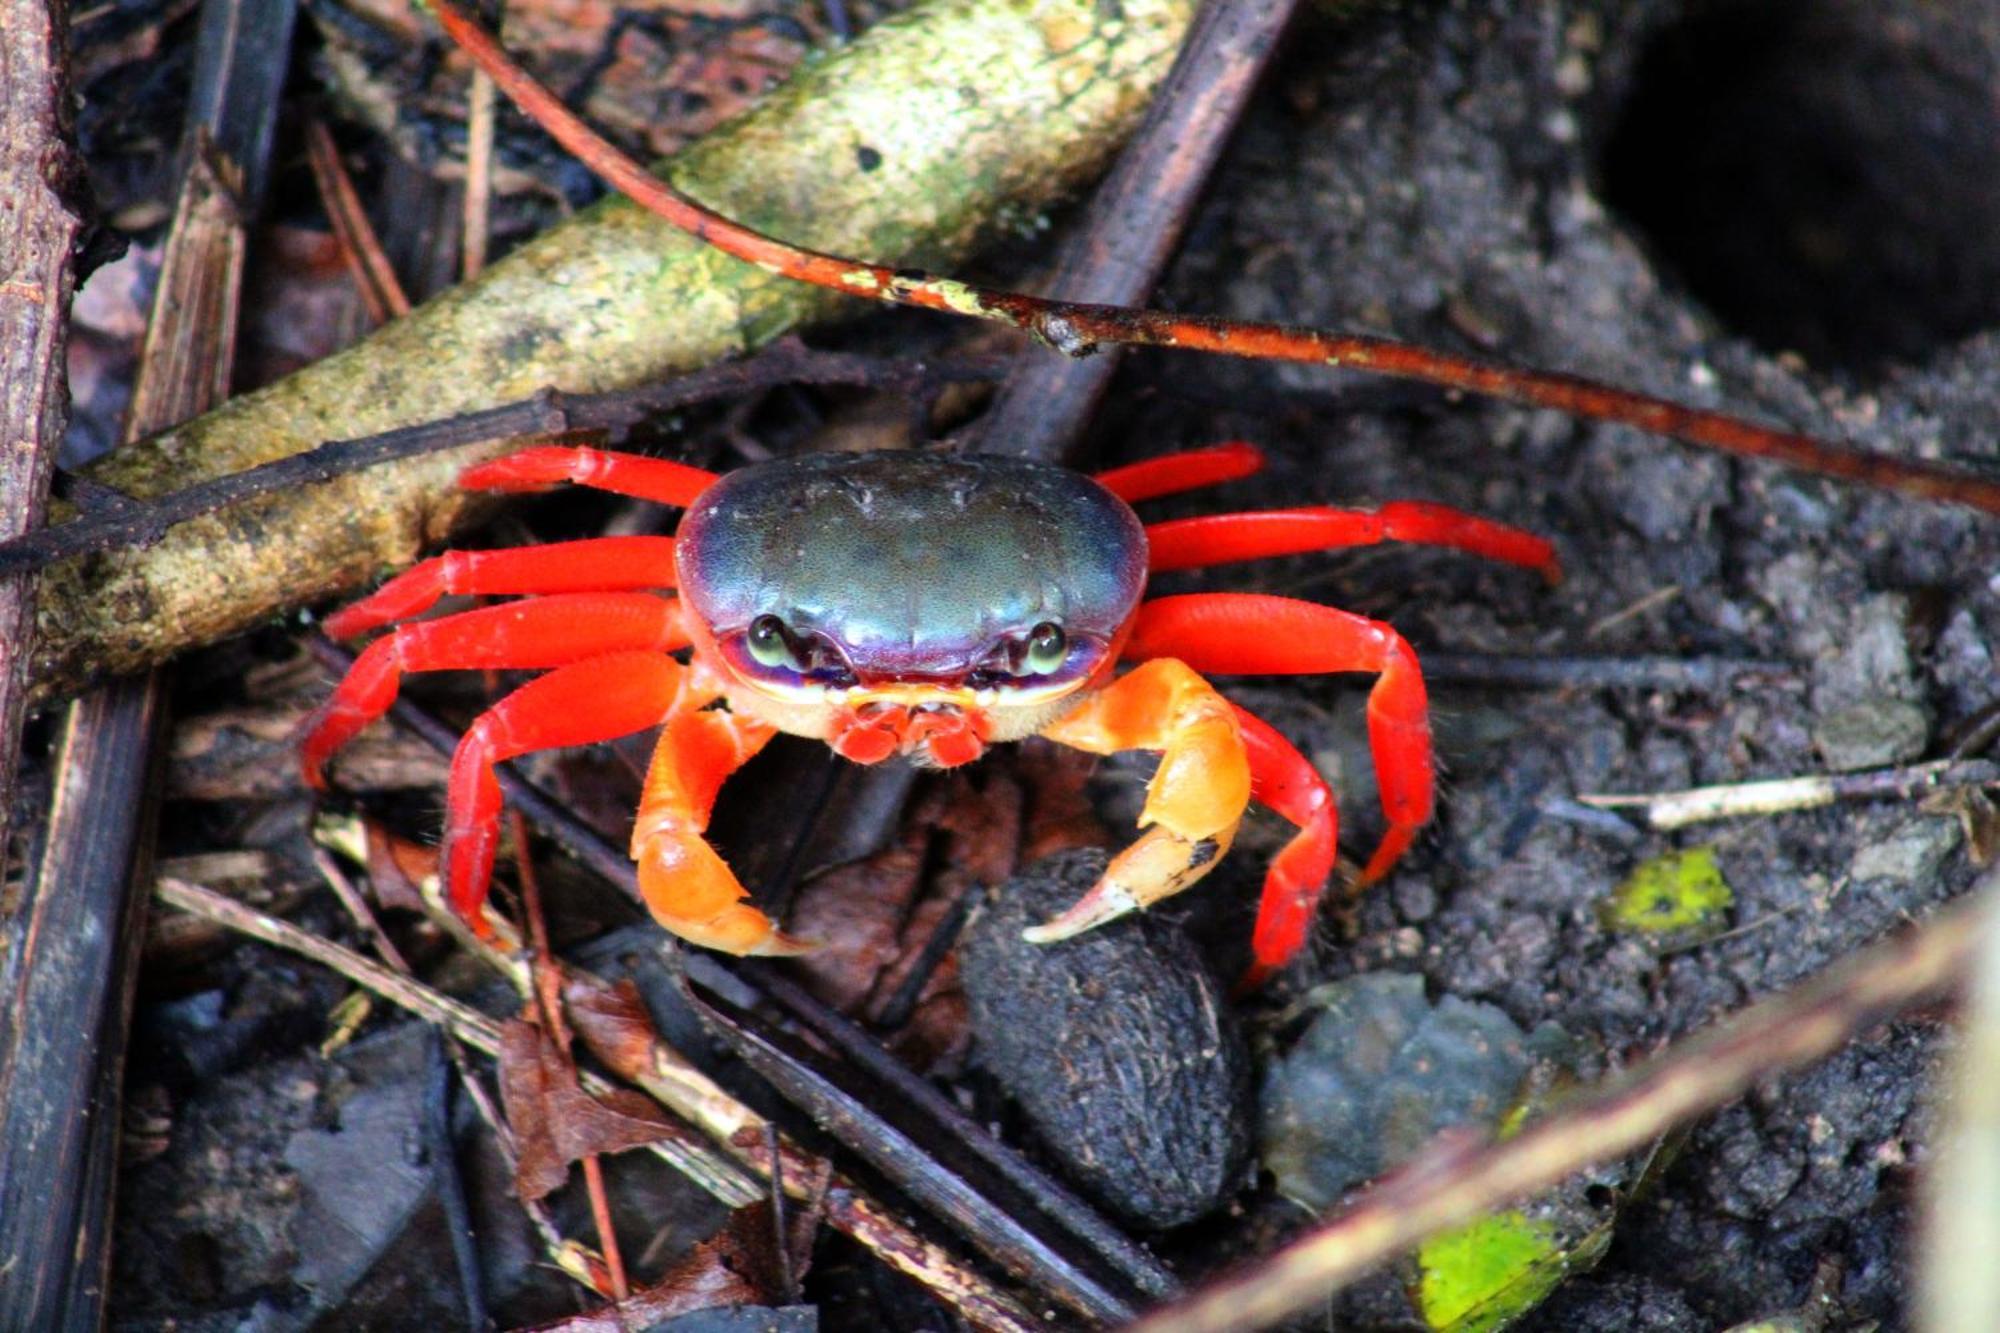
{"x":912,"y":565}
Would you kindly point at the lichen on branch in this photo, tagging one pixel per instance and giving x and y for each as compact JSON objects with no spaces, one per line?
{"x":970,"y":112}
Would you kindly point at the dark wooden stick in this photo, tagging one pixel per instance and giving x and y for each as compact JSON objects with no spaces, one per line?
{"x":1136,"y":220}
{"x":835,"y":1096}
{"x":38,"y":231}
{"x":442,"y":1149}
{"x":68,"y":994}
{"x":51,"y":1155}
{"x":90,"y":887}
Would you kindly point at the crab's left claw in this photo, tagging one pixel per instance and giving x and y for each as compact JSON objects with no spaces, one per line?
{"x":693,"y":893}
{"x":1160,"y":864}
{"x":1193,"y":803}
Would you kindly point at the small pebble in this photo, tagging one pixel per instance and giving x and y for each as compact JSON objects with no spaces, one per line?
{"x":1872,"y":734}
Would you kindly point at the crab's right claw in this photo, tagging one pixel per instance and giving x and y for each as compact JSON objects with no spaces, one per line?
{"x":691,"y":892}
{"x":689,"y":889}
{"x":1160,"y":864}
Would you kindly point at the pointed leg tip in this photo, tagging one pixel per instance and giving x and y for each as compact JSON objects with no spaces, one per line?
{"x":1104,"y":903}
{"x":1252,"y":980}
{"x":780,"y":945}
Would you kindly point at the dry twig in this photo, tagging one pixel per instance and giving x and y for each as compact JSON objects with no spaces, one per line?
{"x":1733,"y":800}
{"x":1453,"y":1185}
{"x":129,"y":523}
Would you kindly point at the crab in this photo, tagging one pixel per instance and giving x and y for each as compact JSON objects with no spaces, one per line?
{"x":927,"y":605}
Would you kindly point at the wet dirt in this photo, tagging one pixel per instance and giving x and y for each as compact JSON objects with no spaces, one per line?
{"x":1440,"y":174}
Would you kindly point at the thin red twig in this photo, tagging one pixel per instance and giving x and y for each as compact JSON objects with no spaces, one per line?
{"x":548,"y":998}
{"x":1077,"y":329}
{"x":381,"y":292}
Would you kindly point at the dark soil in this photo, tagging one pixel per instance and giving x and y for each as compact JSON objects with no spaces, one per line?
{"x":1792,"y":218}
{"x":1492,"y":177}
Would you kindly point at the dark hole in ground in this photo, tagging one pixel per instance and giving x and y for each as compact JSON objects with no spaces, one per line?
{"x":1821,"y":173}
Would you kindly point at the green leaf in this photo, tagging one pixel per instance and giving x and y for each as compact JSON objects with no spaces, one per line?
{"x":1678,"y":894}
{"x":1484,"y":1275}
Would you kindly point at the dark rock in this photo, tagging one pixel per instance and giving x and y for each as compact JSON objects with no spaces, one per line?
{"x":1377,"y":1075}
{"x":1117,"y":1044}
{"x":1872,"y":734}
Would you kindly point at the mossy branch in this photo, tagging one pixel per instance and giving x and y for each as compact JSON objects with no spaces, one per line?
{"x":972,"y":111}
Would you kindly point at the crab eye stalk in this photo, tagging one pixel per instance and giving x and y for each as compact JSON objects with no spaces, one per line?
{"x":1046,"y":649}
{"x":770,"y":644}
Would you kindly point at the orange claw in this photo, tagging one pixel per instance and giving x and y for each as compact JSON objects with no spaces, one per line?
{"x":686,"y":885}
{"x":1193,"y":803}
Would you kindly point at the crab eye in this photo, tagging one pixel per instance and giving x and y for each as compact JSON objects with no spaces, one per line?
{"x":1046,"y":648}
{"x":770,"y":644}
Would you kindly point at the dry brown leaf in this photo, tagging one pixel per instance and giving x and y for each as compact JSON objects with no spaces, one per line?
{"x":397,"y":867}
{"x":736,"y":1266}
{"x":555,"y":1122}
{"x":613,"y":1022}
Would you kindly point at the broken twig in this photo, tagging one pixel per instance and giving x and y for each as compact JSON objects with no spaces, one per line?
{"x":1735,"y":800}
{"x":126,"y":522}
{"x":1453,"y":1185}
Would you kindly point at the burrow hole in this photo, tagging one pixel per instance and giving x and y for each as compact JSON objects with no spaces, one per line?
{"x":1823,"y":174}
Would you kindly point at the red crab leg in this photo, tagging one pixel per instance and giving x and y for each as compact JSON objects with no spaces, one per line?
{"x":688,"y":887}
{"x":596,"y":564}
{"x":1151,"y":478}
{"x":1249,"y":634}
{"x":657,"y":479}
{"x":579,"y":704}
{"x":543,"y":632}
{"x":1283,"y":780}
{"x":1216,"y":539}
{"x":1193,"y":803}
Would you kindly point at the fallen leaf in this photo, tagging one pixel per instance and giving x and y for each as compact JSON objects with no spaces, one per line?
{"x":1682,"y":894}
{"x":612,"y":1021}
{"x":398,"y":867}
{"x":555,"y":1122}
{"x":736,"y":1266}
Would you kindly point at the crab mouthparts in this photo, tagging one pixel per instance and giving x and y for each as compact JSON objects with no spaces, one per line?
{"x":939,"y":735}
